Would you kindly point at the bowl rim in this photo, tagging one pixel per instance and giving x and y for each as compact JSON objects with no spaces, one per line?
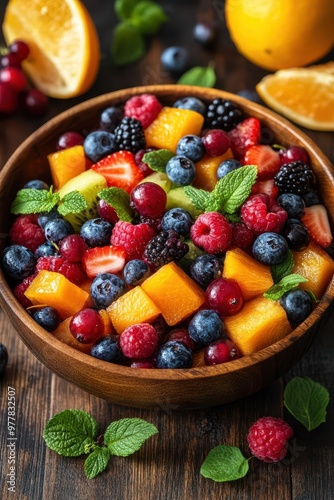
{"x":8,"y":300}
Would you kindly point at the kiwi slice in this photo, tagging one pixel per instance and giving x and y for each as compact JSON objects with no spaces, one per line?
{"x":177,"y":198}
{"x":88,"y":183}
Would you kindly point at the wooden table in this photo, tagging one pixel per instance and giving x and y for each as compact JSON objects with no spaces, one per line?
{"x":167,"y":467}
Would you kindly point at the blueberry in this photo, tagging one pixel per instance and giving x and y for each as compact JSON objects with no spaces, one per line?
{"x":48,"y":318}
{"x":106,"y":288}
{"x":46,"y":249}
{"x":205,"y":34}
{"x":98,"y":144}
{"x":205,"y":268}
{"x":292,"y":203}
{"x":36,"y":184}
{"x":226,"y":167}
{"x":175,"y":59}
{"x":18,"y":262}
{"x":270,"y":248}
{"x":297,"y":305}
{"x":180,"y":170}
{"x":44,"y":217}
{"x":174,"y":354}
{"x":110,"y":118}
{"x":56,"y":229}
{"x":251,"y":95}
{"x":296,"y":235}
{"x":96,"y":232}
{"x":135,"y":272}
{"x":192,"y":103}
{"x":191,"y":146}
{"x":107,"y":349}
{"x":177,"y":219}
{"x":3,"y":358}
{"x":205,"y":327}
{"x":311,"y":198}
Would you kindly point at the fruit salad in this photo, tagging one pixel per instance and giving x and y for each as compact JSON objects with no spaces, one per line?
{"x":172,"y":236}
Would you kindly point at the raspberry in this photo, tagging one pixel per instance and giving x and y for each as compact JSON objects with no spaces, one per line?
{"x":212,"y":232}
{"x":25,"y":231}
{"x":71,"y":270}
{"x":165,"y":247}
{"x":261,"y":213}
{"x":133,"y":238}
{"x":129,"y":135}
{"x":144,"y":108}
{"x":268,"y":437}
{"x":242,"y":236}
{"x":139,"y":341}
{"x":21,"y":288}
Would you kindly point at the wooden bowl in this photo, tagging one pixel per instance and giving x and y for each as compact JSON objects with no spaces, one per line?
{"x":168,"y":389}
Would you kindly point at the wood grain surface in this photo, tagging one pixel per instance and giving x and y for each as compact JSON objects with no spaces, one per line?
{"x":167,"y":467}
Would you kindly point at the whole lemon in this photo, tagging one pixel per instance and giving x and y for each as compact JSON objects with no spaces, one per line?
{"x":276,"y":34}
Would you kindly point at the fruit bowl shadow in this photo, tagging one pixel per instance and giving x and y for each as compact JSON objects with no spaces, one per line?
{"x":197,"y":387}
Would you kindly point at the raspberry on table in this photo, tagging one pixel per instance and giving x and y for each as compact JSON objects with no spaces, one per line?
{"x":261,"y":213}
{"x":268,"y":438}
{"x":26,"y":231}
{"x":139,"y":341}
{"x":132,"y":237}
{"x":144,"y":107}
{"x":212,"y":232}
{"x":165,"y":247}
{"x":71,"y":270}
{"x":129,"y":135}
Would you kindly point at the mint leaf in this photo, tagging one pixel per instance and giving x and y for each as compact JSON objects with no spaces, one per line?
{"x":147,"y":17}
{"x":96,"y":461}
{"x":119,"y":200}
{"x":199,"y":197}
{"x":126,"y":436}
{"x":201,"y":76}
{"x":127,"y":44}
{"x":224,"y":463}
{"x":72,"y":203}
{"x":283,"y":269}
{"x":232,"y":190}
{"x":69,"y":432}
{"x":124,"y":8}
{"x":33,"y":201}
{"x":307,"y":401}
{"x":287,"y":283}
{"x":157,"y":160}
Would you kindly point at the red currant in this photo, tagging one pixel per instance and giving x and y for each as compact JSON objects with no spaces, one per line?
{"x":107,"y":212}
{"x":20,"y":49}
{"x":14,"y":77}
{"x":293,"y":153}
{"x":224,"y":296}
{"x":143,"y":166}
{"x":221,"y":351}
{"x":149,"y":199}
{"x":69,"y":139}
{"x":87,"y":326}
{"x":216,"y":142}
{"x":10,"y":60}
{"x":35,"y":102}
{"x":8,"y":99}
{"x":72,"y":247}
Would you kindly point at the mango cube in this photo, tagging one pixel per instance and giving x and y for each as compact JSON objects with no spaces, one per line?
{"x":66,"y":164}
{"x":206,"y":170}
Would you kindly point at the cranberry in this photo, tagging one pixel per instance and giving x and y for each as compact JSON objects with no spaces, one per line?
{"x":294,"y":153}
{"x":224,"y":296}
{"x":72,"y":247}
{"x":35,"y":102}
{"x":107,"y":212}
{"x":181,"y":335}
{"x":216,"y":142}
{"x":69,"y":139}
{"x":8,"y":99}
{"x":20,"y":49}
{"x":14,"y":77}
{"x":149,"y":199}
{"x":221,"y":351}
{"x":10,"y":60}
{"x":87,"y":326}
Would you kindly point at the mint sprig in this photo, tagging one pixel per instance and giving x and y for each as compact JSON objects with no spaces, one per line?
{"x":225,"y":463}
{"x":72,"y":433}
{"x":283,"y":269}
{"x":286,"y":284}
{"x":199,"y":75}
{"x":119,"y":200}
{"x":33,"y":201}
{"x":72,"y":203}
{"x":157,"y":160}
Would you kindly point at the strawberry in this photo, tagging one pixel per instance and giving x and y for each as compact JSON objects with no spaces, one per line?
{"x":267,"y":160}
{"x":245,"y":135}
{"x":120,"y":170}
{"x":315,"y":219}
{"x":108,"y":259}
{"x":268,"y":187}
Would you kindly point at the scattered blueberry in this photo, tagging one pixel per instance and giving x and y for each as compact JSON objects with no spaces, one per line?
{"x":98,"y":144}
{"x":174,"y":354}
{"x":175,"y":59}
{"x":3,"y":358}
{"x":177,"y":219}
{"x":96,"y":232}
{"x":36,"y":184}
{"x":180,"y":170}
{"x":205,"y":34}
{"x":205,"y":268}
{"x":107,"y":349}
{"x":226,"y":167}
{"x":270,"y":248}
{"x":44,"y":217}
{"x":106,"y":288}
{"x":192,"y":103}
{"x":251,"y":95}
{"x":296,"y":235}
{"x":297,"y":305}
{"x":56,"y":229}
{"x":18,"y":262}
{"x":135,"y":272}
{"x":48,"y":318}
{"x":205,"y":327}
{"x":292,"y":203}
{"x":110,"y":118}
{"x":191,"y":146}
{"x":46,"y":249}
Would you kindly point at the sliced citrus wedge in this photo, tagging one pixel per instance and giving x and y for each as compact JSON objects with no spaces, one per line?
{"x":64,"y":47}
{"x":305,"y":96}
{"x":327,"y":67}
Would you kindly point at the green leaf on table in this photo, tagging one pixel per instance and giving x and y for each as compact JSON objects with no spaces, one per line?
{"x":157,"y":160}
{"x":128,"y":44}
{"x":200,"y":76}
{"x":224,"y":463}
{"x":119,"y":200}
{"x":286,"y":284}
{"x":124,"y":437}
{"x":124,"y":8}
{"x":96,"y":461}
{"x":72,"y":203}
{"x":307,"y":401}
{"x":199,"y":197}
{"x":283,"y":269}
{"x":69,"y":432}
{"x":147,"y":17}
{"x":33,"y":201}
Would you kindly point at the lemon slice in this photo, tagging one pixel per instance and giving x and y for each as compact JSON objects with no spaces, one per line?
{"x":64,"y":47}
{"x":305,"y":96}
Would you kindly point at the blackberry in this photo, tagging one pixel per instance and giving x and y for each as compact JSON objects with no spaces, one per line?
{"x":129,"y":135}
{"x":295,"y":177}
{"x":223,"y":114}
{"x":165,"y":247}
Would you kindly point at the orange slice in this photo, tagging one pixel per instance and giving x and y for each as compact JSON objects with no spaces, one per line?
{"x":64,"y":47}
{"x":305,"y":96}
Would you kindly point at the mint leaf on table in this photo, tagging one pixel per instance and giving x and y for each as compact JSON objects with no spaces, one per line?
{"x":128,"y":44}
{"x":200,"y":76}
{"x":119,"y":200}
{"x":147,"y":17}
{"x":286,"y":284}
{"x":157,"y":160}
{"x":199,"y":197}
{"x":72,"y":203}
{"x":283,"y":269}
{"x":307,"y":401}
{"x":33,"y":201}
{"x":69,"y":432}
{"x":96,"y":461}
{"x":124,"y":8}
{"x":124,"y":437}
{"x":224,"y":463}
